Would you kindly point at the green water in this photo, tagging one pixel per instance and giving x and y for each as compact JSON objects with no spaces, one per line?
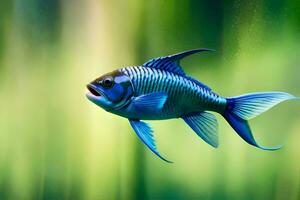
{"x":55,"y":144}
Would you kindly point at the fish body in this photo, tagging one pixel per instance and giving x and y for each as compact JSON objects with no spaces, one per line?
{"x":185,"y":95}
{"x":159,"y":89}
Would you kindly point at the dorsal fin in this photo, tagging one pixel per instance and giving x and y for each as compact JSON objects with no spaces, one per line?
{"x":171,"y":63}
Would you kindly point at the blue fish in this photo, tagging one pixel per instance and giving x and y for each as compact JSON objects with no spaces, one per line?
{"x":159,"y":89}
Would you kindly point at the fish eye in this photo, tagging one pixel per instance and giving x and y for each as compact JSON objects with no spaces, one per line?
{"x":107,"y":82}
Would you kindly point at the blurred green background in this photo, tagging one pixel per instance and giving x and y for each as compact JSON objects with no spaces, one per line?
{"x":55,"y":144}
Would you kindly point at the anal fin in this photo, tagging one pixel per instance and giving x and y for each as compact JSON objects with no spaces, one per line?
{"x":205,"y":125}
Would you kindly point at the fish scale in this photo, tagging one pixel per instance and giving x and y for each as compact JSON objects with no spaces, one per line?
{"x":179,"y":89}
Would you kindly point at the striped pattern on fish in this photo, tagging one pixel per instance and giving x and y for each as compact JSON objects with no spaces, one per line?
{"x":179,"y":88}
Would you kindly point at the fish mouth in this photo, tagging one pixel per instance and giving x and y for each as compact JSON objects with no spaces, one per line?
{"x":93,"y":90}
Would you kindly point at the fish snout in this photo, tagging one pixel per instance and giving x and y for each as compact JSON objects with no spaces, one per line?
{"x":93,"y":90}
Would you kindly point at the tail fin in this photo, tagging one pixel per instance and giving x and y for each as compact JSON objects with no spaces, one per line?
{"x":242,"y":108}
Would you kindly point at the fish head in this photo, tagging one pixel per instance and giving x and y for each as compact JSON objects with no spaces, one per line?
{"x":111,"y":91}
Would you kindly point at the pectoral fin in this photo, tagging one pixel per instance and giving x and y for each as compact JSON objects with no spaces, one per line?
{"x":152,"y":102}
{"x":145,"y":133}
{"x":205,"y":125}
